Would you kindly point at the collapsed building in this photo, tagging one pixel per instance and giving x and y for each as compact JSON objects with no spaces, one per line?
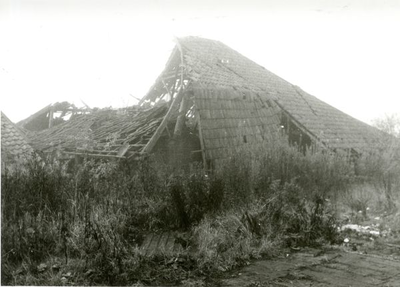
{"x":207,"y":103}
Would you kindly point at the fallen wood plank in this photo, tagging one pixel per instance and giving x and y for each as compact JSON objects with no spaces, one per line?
{"x":97,"y":151}
{"x":93,"y":155}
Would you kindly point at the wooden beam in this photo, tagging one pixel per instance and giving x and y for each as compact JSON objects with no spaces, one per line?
{"x":153,"y":140}
{"x":181,"y":65}
{"x":180,"y":121}
{"x":51,"y":113}
{"x":93,"y":155}
{"x":171,"y":75}
{"x":178,"y":45}
{"x":175,"y":82}
{"x":86,"y":105}
{"x":203,"y":154}
{"x":97,"y":151}
{"x":166,"y":87}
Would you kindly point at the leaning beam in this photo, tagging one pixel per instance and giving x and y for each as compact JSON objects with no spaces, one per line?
{"x":203,"y":153}
{"x":177,"y":100}
{"x":181,"y":116}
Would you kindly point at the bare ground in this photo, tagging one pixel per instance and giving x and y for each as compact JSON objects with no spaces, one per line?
{"x":312,"y":267}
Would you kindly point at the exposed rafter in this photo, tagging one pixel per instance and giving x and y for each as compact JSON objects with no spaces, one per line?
{"x":177,"y":100}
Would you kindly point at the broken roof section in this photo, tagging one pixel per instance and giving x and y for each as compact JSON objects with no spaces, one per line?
{"x":14,"y":144}
{"x":51,"y":115}
{"x":105,"y":133}
{"x":226,"y":100}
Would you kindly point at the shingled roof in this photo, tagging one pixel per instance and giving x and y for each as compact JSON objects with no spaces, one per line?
{"x":14,"y":144}
{"x":213,"y":64}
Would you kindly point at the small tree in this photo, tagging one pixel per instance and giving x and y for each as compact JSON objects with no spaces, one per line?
{"x":389,"y":124}
{"x":388,"y":158}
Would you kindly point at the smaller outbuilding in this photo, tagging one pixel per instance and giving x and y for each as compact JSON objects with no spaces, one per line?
{"x":14,"y":145}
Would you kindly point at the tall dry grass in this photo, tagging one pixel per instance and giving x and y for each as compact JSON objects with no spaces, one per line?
{"x":92,"y":218}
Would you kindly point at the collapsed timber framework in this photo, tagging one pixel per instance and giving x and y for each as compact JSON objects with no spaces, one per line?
{"x":129,"y":133}
{"x":51,"y":115}
{"x":172,"y":86}
{"x":208,"y":103}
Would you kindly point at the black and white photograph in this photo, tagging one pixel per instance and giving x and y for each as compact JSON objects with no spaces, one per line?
{"x":200,"y":143}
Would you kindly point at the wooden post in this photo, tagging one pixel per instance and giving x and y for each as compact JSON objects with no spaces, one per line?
{"x":149,"y":146}
{"x":203,"y":154}
{"x":51,"y":112}
{"x":180,"y":121}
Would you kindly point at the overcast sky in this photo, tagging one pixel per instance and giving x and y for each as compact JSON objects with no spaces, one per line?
{"x":346,"y":53}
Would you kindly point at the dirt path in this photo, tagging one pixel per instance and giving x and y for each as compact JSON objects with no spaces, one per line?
{"x":313,"y":267}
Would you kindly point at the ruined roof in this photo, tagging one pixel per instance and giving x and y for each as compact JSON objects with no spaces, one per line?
{"x":224,"y":98}
{"x":13,"y":142}
{"x":103,"y":133}
{"x":212,"y":64}
{"x":45,"y":117}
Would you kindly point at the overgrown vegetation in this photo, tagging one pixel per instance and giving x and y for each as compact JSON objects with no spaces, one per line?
{"x":85,"y":224}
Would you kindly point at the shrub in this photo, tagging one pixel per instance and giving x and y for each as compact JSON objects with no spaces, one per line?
{"x":290,"y":215}
{"x":286,"y":219}
{"x":382,"y":170}
{"x":38,"y":187}
{"x":222,"y":243}
{"x":194,"y":196}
